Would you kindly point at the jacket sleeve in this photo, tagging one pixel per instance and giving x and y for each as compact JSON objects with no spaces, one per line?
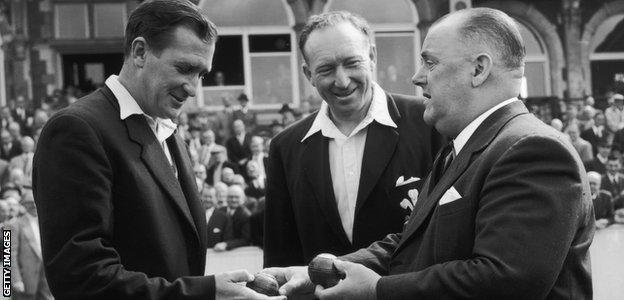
{"x":73,"y":191}
{"x":282,"y":246}
{"x":377,"y":256}
{"x":532,"y":205}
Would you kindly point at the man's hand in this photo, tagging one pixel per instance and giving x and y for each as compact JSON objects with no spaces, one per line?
{"x":18,"y":287}
{"x":227,"y":287}
{"x":220,"y":247}
{"x":360,"y":283}
{"x":292,"y":280}
{"x":602,"y":223}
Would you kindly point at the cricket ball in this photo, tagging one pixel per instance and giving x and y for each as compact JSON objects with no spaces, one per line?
{"x":323,"y":272}
{"x":264,"y":283}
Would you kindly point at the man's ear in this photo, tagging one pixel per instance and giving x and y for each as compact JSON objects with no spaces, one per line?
{"x":138,"y":51}
{"x":482,"y":66}
{"x":373,"y":54}
{"x":307,"y":73}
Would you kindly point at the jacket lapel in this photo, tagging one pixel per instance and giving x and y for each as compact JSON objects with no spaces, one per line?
{"x":187,"y":181}
{"x":154,"y":158}
{"x":484,"y":134}
{"x":381,"y":142}
{"x":316,"y":167}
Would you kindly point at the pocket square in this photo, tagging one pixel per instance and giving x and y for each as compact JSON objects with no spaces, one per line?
{"x":216,"y":230}
{"x":449,"y":196}
{"x":401,"y":181}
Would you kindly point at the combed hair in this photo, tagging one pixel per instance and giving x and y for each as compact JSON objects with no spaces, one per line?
{"x":330,"y":19}
{"x":155,"y":21}
{"x":497,"y":30}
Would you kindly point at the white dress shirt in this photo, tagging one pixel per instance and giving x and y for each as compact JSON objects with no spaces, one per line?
{"x":460,"y":141}
{"x":346,"y":153}
{"x":209,"y":213}
{"x":162,"y":128}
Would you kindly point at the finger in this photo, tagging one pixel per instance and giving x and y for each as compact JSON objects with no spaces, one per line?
{"x":344,"y":267}
{"x":289,"y":287}
{"x":323,"y":293}
{"x":240,"y":276}
{"x":278,"y":273}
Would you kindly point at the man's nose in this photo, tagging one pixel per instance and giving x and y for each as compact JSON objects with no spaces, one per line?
{"x":420,"y":78}
{"x":190,"y":88}
{"x":342,"y":78}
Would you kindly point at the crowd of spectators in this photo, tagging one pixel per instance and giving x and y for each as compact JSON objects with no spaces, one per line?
{"x":598,"y":137}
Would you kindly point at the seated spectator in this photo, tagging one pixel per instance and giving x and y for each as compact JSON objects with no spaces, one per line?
{"x":24,"y":161}
{"x":219,"y":225}
{"x":240,"y":220}
{"x":599,"y":163}
{"x":613,"y":181}
{"x":15,"y":130}
{"x":258,"y":155}
{"x":582,"y":146}
{"x":218,"y":161}
{"x":200,"y":176}
{"x":227,"y":176}
{"x":9,"y":147}
{"x":597,"y":132}
{"x":256,"y":184}
{"x":29,"y":280}
{"x":570,"y":117}
{"x":556,"y":124}
{"x":288,"y":115}
{"x":603,"y":207}
{"x":238,"y":148}
{"x":221,"y":190}
{"x":207,"y":145}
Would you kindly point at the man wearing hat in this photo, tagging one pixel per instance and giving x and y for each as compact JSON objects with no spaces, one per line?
{"x":243,"y":113}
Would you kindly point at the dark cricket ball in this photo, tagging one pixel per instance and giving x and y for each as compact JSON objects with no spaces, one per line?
{"x":264,"y":283}
{"x":323,"y":272}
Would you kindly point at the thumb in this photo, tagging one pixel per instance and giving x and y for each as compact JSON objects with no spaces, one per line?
{"x":240,"y":276}
{"x":344,"y":267}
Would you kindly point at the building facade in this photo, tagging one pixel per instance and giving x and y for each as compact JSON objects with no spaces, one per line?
{"x":575,"y":47}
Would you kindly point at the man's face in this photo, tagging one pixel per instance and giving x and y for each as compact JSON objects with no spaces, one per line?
{"x":594,"y":184}
{"x":235,"y":197}
{"x":6,"y":137}
{"x":253,"y":169}
{"x":256,"y":146}
{"x":613,"y":166}
{"x":200,"y":172}
{"x":444,"y":75}
{"x":208,"y":198}
{"x":573,"y":133}
{"x":221,"y":193}
{"x":599,"y":120}
{"x":227,"y":175}
{"x":340,"y":64}
{"x":239,"y":127}
{"x":619,"y":104}
{"x":168,"y":78}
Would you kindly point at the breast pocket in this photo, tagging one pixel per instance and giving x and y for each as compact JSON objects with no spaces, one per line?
{"x":454,"y":231}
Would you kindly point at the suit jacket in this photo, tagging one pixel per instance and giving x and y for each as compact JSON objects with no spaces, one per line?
{"x":116,"y":222}
{"x":615,"y":188}
{"x":237,"y":151}
{"x":603,"y":206}
{"x":590,"y":136}
{"x":219,"y":228}
{"x":241,"y":233}
{"x":520,"y":229}
{"x":302,"y":218}
{"x":26,"y":259}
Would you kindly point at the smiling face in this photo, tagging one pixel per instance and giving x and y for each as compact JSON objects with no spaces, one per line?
{"x":168,"y":77}
{"x":339,"y":63}
{"x":444,"y":75}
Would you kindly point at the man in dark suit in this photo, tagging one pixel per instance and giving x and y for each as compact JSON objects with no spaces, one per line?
{"x":238,"y":148}
{"x":118,"y":205}
{"x":602,"y":200}
{"x":218,"y":161}
{"x":29,"y":280}
{"x":239,"y":215}
{"x":599,"y":163}
{"x":613,"y":180}
{"x":219,"y":224}
{"x":506,"y":212}
{"x":9,"y":147}
{"x":597,"y":133}
{"x":336,"y":179}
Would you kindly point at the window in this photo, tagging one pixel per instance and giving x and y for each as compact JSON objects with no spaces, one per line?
{"x":71,"y":21}
{"x":536,"y":69}
{"x":607,"y":57}
{"x":109,"y":20}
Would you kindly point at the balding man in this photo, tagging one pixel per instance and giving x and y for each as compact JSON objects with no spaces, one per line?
{"x":603,"y":201}
{"x":240,"y":220}
{"x":506,"y":212}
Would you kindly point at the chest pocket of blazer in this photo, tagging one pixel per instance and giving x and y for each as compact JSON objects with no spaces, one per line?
{"x":454,"y":231}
